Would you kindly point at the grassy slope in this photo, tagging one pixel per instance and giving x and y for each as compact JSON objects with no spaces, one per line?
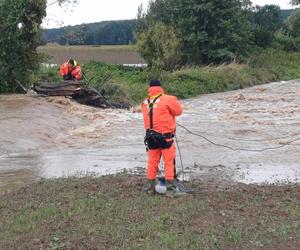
{"x":129,"y":83}
{"x":113,"y":213}
{"x":261,"y":68}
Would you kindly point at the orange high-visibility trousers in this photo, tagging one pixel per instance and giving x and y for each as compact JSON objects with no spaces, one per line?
{"x":154,"y":155}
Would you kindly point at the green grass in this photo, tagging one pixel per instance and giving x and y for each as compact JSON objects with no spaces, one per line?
{"x":131,"y":83}
{"x":112,"y":213}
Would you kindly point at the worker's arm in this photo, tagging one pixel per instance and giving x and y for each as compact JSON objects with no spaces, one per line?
{"x":175,"y":106}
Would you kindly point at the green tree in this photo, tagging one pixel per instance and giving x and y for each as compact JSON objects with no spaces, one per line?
{"x":289,"y":36}
{"x":211,"y":30}
{"x":20,"y":28}
{"x":293,"y":24}
{"x":267,"y":20}
{"x":295,"y":2}
{"x":20,"y":22}
{"x":160,"y":45}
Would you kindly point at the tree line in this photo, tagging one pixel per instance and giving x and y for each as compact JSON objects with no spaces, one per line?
{"x":100,"y":33}
{"x":174,"y":33}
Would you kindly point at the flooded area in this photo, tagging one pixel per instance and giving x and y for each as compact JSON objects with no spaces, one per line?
{"x":257,"y":132}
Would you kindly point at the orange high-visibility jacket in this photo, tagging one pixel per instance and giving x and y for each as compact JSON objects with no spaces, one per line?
{"x":74,"y":73}
{"x":165,"y":109}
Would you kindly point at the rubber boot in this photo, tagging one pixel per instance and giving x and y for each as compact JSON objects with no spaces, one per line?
{"x":150,"y":188}
{"x":173,"y":190}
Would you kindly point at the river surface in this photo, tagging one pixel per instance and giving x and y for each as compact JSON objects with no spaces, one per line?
{"x":55,"y":137}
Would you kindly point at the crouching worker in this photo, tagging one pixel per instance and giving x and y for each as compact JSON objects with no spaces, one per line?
{"x":159,"y":112}
{"x":70,"y":71}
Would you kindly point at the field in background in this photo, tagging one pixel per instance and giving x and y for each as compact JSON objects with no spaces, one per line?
{"x":118,"y":54}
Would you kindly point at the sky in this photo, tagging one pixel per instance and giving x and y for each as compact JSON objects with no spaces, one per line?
{"x":89,"y":11}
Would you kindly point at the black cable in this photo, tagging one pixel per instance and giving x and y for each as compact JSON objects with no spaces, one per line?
{"x":179,"y":151}
{"x":258,"y":140}
{"x":238,"y":149}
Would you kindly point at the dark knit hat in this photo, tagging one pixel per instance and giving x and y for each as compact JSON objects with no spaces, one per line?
{"x":154,"y":83}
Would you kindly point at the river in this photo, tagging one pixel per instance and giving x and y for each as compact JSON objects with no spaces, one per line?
{"x":56,"y":137}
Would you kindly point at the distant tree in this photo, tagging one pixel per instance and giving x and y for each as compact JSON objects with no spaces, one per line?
{"x":101,"y":33}
{"x":267,"y":20}
{"x":212,"y":31}
{"x":160,"y":46}
{"x":289,"y":36}
{"x":268,"y":17}
{"x":293,"y":24}
{"x":295,"y":2}
{"x":286,"y":13}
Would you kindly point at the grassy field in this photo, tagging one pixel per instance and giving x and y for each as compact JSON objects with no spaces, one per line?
{"x":113,"y":213}
{"x":117,"y":54}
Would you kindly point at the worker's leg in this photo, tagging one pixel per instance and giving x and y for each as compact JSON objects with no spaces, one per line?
{"x":169,"y":155}
{"x":154,"y":156}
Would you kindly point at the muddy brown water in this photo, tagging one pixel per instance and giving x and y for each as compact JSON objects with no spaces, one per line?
{"x":54,"y":137}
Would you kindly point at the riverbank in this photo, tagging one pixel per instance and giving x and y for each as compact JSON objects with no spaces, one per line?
{"x":131,"y":83}
{"x":112,"y":212}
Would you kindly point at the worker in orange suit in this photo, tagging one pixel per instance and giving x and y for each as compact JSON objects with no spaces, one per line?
{"x":70,"y":70}
{"x":159,"y":112}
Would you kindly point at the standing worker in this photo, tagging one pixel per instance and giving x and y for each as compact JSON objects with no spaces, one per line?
{"x":159,"y":112}
{"x":70,"y":70}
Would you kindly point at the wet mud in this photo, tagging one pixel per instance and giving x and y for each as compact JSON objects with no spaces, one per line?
{"x":54,"y":137}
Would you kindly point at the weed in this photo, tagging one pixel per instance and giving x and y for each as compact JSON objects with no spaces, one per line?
{"x":235,"y":235}
{"x":283,"y":231}
{"x":55,"y":243}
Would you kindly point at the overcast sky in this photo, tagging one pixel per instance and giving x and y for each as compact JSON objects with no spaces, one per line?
{"x":88,"y":11}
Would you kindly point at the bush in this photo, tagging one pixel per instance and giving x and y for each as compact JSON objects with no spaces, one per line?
{"x":160,"y":46}
{"x":20,"y":30}
{"x":286,"y":42}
